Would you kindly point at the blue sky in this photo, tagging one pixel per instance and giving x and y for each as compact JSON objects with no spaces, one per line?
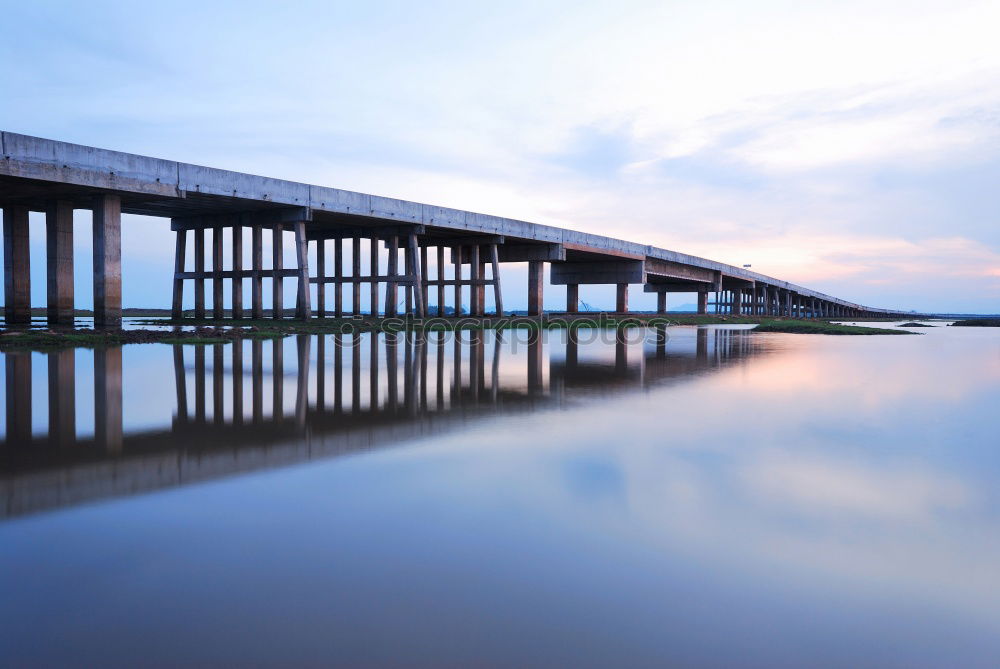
{"x":853,"y":147}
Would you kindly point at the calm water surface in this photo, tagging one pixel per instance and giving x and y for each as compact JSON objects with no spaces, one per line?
{"x":721,"y":499}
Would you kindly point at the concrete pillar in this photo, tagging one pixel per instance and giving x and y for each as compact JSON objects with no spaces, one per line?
{"x":199,"y":268}
{"x":475,"y":306}
{"x":59,"y":255}
{"x":338,"y":273}
{"x":703,"y":301}
{"x":456,"y":262}
{"x":417,"y":272}
{"x":440,"y":276}
{"x":321,"y":275}
{"x":391,"y":287}
{"x":257,"y":263}
{"x":738,"y":301}
{"x":237,"y":284}
{"x":217,"y":268}
{"x":16,"y":265}
{"x":497,"y":292}
{"x":373,"y":270}
{"x":572,"y":298}
{"x":356,"y":272}
{"x":277,"y":264}
{"x":62,"y":397}
{"x":621,"y":299}
{"x":536,"y":287}
{"x":661,"y":302}
{"x":177,"y":306}
{"x":303,"y":309}
{"x":108,"y":397}
{"x":787,"y":311}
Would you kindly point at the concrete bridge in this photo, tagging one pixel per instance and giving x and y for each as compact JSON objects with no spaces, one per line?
{"x":57,"y":177}
{"x":351,"y":394}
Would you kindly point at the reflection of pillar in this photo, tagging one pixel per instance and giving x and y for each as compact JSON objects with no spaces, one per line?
{"x":373,"y":391}
{"x":391,"y":369}
{"x":495,"y":368}
{"x":701,"y":343}
{"x":320,"y":372}
{"x":536,"y":287}
{"x":17,"y":265}
{"x":59,"y":255}
{"x":338,"y":373}
{"x":18,"y":372}
{"x":277,"y":378}
{"x":621,"y":299}
{"x":62,"y":397}
{"x":661,"y":340}
{"x":572,"y":347}
{"x":572,"y":298}
{"x":355,"y":373}
{"x":180,"y":382}
{"x":621,"y":350}
{"x":456,"y":383}
{"x":534,"y":361}
{"x":440,"y":370}
{"x":108,"y":397}
{"x":477,"y":363}
{"x":257,"y":378}
{"x":218,"y":391}
{"x":237,"y":373}
{"x":303,"y":342}
{"x":421,"y":346}
{"x":199,"y":383}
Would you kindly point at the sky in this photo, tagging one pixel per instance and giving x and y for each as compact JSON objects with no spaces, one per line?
{"x":851,"y":147}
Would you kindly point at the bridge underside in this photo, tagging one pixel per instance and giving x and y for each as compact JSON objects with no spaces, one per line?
{"x":391,"y":246}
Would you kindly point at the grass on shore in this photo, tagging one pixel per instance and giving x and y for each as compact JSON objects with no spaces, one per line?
{"x":209,"y":332}
{"x":978,"y":323}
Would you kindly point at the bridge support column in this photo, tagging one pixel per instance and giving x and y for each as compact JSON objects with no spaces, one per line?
{"x":16,"y":265}
{"x":338,"y":273}
{"x":475,"y":304}
{"x":621,"y":299}
{"x":277,"y":265}
{"x":59,"y":254}
{"x":199,"y":268}
{"x":391,"y":289}
{"x":237,"y":283}
{"x":536,"y":287}
{"x":703,"y":301}
{"x":572,"y":298}
{"x":321,"y":276}
{"x":217,"y":269}
{"x":107,"y":261}
{"x":661,"y":302}
{"x":303,"y":308}
{"x":257,"y":279}
{"x":441,"y":280}
{"x":497,"y":292}
{"x":738,"y":301}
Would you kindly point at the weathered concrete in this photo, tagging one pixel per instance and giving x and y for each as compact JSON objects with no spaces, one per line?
{"x":35,"y":171}
{"x":536,"y":287}
{"x":59,"y":260}
{"x":16,"y":265}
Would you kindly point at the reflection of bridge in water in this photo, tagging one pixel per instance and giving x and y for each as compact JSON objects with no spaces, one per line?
{"x":238,"y":411}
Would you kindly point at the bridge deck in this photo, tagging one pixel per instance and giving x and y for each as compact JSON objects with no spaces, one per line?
{"x":35,"y":171}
